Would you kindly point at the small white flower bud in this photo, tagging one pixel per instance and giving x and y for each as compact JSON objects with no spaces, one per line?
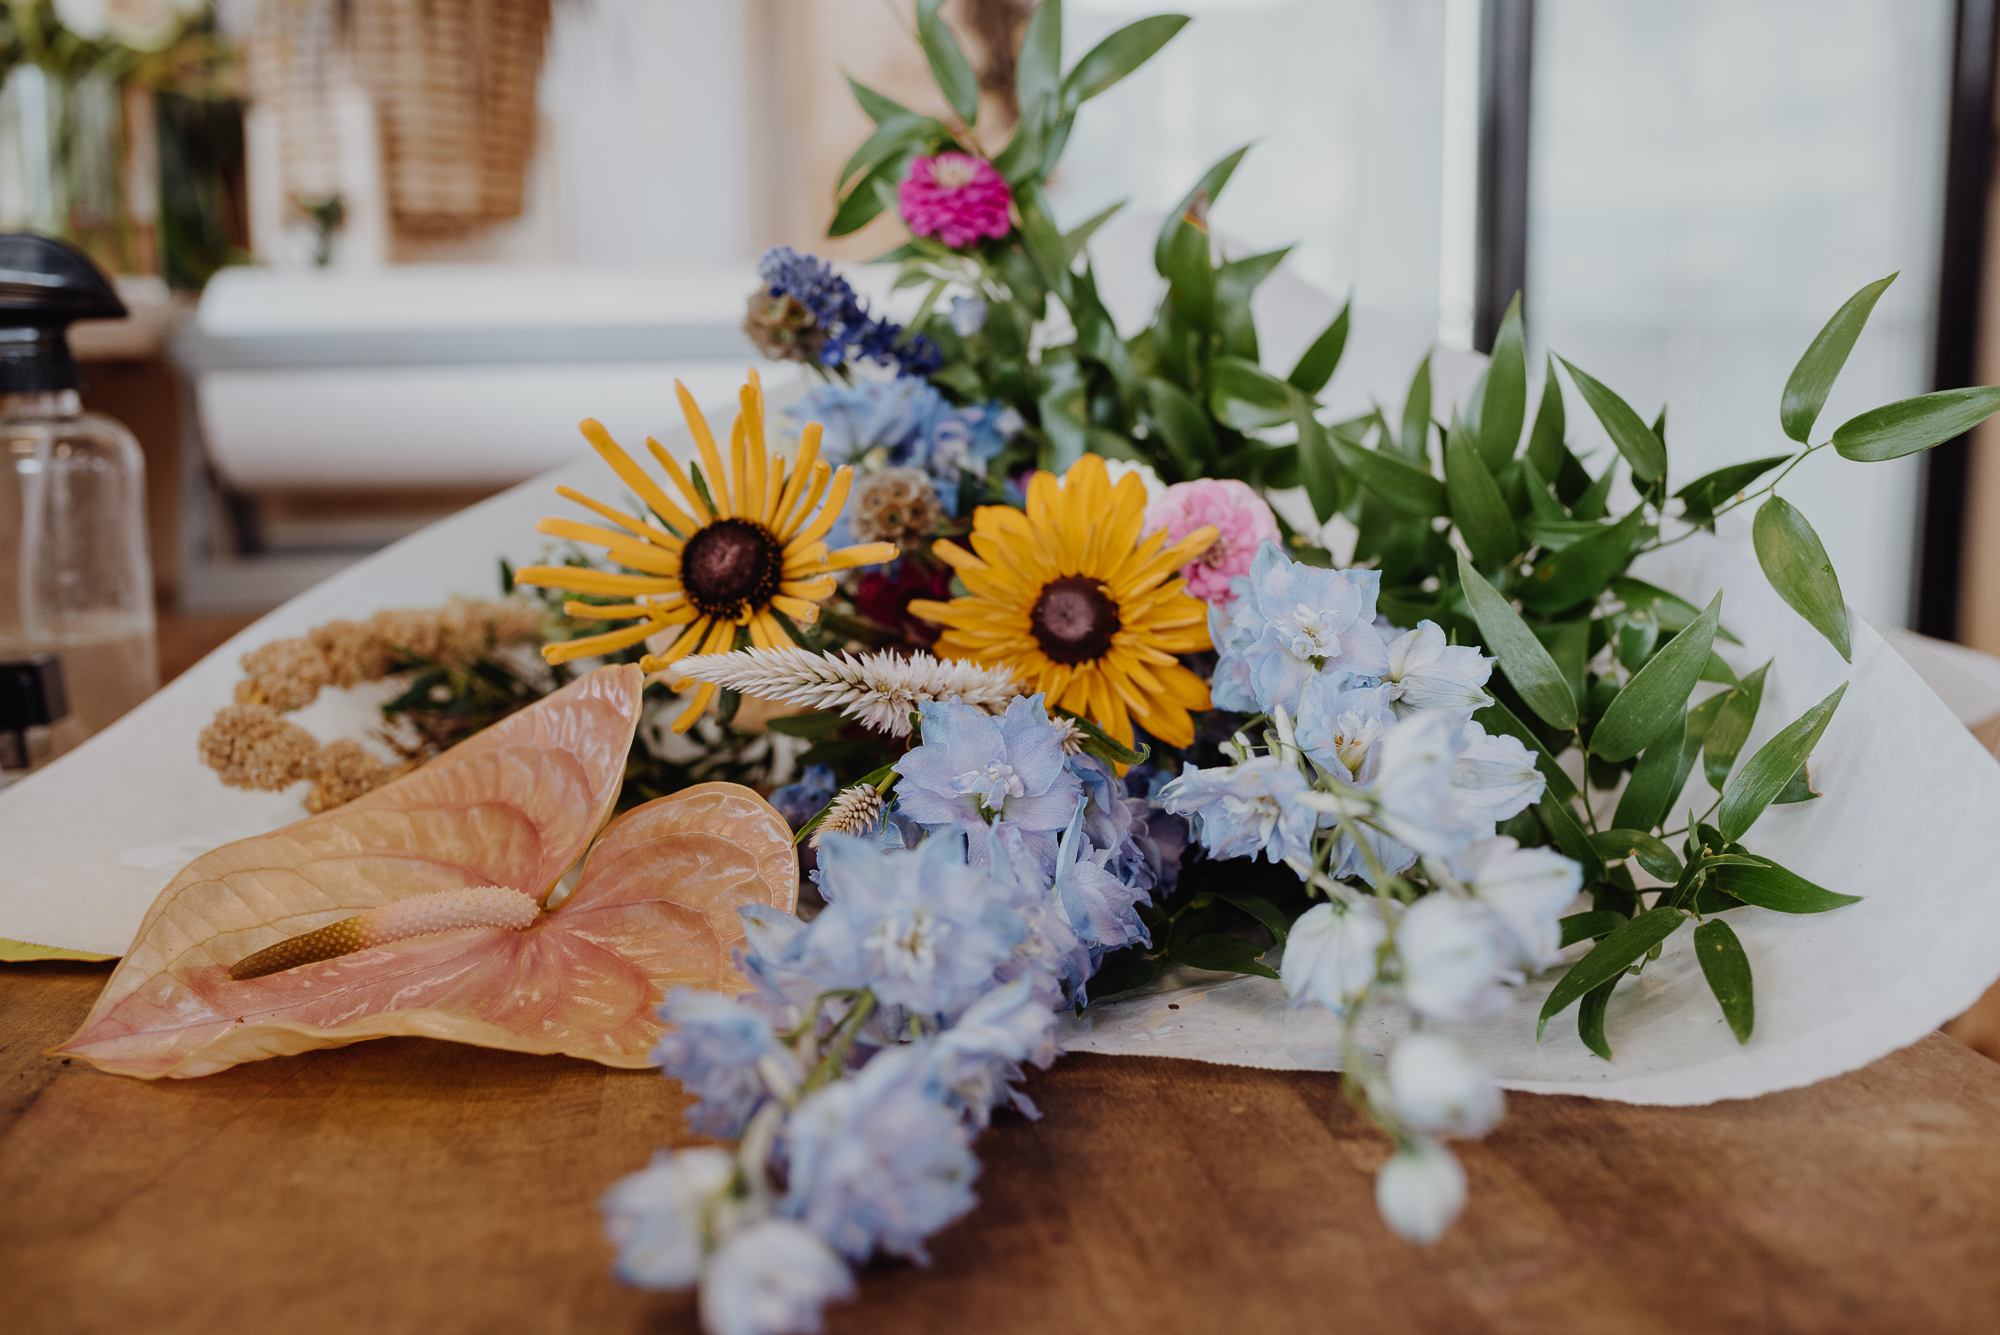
{"x":1434,"y":1087}
{"x":1420,"y":1191}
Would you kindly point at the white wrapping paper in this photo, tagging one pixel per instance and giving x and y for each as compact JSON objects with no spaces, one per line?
{"x":1910,"y":819}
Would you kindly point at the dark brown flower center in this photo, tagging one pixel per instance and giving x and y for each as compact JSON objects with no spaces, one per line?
{"x":1074,"y":619}
{"x":728,"y":563}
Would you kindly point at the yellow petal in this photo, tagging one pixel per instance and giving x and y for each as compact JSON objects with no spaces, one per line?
{"x":802,"y":467}
{"x":592,"y":645}
{"x":866,"y":554}
{"x":578,"y":579}
{"x":704,"y":441}
{"x":631,"y":474}
{"x":836,"y":496}
{"x":822,"y":470}
{"x":698,"y":506}
{"x":647,"y":531}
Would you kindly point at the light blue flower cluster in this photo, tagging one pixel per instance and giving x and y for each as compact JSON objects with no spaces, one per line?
{"x":906,"y":423}
{"x":878,"y":1038}
{"x":1382,"y":726}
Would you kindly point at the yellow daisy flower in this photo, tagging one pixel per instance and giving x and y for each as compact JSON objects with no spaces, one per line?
{"x":1070,"y":599}
{"x":758,"y":549}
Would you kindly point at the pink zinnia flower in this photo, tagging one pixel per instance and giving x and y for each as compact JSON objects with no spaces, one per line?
{"x":955,"y":198}
{"x":1239,"y":515}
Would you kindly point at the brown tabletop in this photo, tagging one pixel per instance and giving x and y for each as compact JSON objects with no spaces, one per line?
{"x":412,"y":1186}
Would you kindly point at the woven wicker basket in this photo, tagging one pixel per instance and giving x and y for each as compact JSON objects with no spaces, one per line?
{"x":454,"y":89}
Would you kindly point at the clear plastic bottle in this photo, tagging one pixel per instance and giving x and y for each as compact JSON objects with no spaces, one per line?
{"x":75,"y":580}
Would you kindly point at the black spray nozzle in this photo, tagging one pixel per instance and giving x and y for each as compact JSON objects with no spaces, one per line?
{"x":44,"y":285}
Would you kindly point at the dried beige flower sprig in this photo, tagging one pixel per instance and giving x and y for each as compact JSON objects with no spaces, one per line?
{"x":879,"y":690}
{"x":250,"y":744}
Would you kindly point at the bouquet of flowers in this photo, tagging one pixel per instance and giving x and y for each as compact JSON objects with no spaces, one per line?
{"x":1111,"y":720}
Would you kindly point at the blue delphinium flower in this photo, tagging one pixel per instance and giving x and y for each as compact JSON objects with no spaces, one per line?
{"x":1049,"y":959}
{"x":1242,"y":810}
{"x":973,"y":768}
{"x":713,"y":1048}
{"x":975,"y":1064}
{"x":1117,"y":826}
{"x":874,"y":1160}
{"x":804,"y":798}
{"x":771,"y":1278}
{"x":843,"y":331}
{"x":906,"y":423}
{"x":1290,"y":622}
{"x":920,"y":929}
{"x":1340,"y":728}
{"x":1099,"y":906}
{"x":654,"y":1216}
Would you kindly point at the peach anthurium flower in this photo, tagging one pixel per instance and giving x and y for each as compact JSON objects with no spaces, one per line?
{"x":423,"y":909}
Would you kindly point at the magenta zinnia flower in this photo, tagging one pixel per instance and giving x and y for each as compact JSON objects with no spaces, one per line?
{"x":1240,"y":517}
{"x":956,"y":198}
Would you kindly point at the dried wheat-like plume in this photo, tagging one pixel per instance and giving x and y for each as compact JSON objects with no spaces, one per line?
{"x":855,"y":811}
{"x":879,"y":689}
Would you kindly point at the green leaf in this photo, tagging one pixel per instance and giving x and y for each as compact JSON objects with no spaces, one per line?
{"x":869,"y":196}
{"x":1209,"y":187}
{"x":1610,"y":957}
{"x":1655,"y":781}
{"x":1496,"y":718}
{"x":1234,"y":283}
{"x":1706,"y":492}
{"x":1260,"y":908}
{"x":1405,"y":486}
{"x":1477,"y":507}
{"x":1584,"y":567}
{"x":1038,"y":69}
{"x":1245,"y":396}
{"x":1589,"y":926}
{"x":1543,"y":506}
{"x":879,"y":107}
{"x":1671,"y":610}
{"x":1798,"y":789}
{"x":1043,"y":242}
{"x":1317,"y":363}
{"x":1897,"y":429}
{"x":1527,"y":664}
{"x":949,"y":66}
{"x":1762,"y":882}
{"x":1653,"y":855}
{"x":1596,"y":498}
{"x":1117,"y":56}
{"x":1545,"y":441}
{"x":1590,"y":1017}
{"x":1634,"y":439}
{"x":1124,"y":971}
{"x":1772,"y":768}
{"x":1416,"y":435}
{"x":1805,"y":392}
{"x":1569,"y":836}
{"x":1731,"y":728}
{"x":1223,"y":953}
{"x":1079,"y":236}
{"x":1799,"y":569}
{"x":1103,"y":745}
{"x":1727,"y":969}
{"x":1317,"y":468}
{"x":1657,"y":691}
{"x":1506,"y":403}
{"x":1191,"y":275}
{"x":1183,"y":424}
{"x":892,"y":134}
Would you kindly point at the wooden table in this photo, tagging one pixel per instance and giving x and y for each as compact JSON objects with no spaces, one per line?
{"x":411,"y":1186}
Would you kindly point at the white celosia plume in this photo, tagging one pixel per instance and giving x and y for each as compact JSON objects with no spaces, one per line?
{"x":879,"y":689}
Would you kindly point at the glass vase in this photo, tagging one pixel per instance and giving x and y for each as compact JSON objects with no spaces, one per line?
{"x":63,"y":163}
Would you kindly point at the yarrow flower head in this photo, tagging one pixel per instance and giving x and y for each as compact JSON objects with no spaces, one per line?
{"x":956,"y":198}
{"x":1241,"y":519}
{"x":805,"y":312}
{"x":1290,"y":622}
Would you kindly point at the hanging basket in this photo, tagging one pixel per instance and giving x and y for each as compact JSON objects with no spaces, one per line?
{"x":453,"y":82}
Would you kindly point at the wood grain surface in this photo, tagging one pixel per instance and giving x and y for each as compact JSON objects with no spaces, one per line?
{"x":405,"y":1186}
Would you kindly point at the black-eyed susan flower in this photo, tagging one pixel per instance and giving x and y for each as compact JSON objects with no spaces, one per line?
{"x":732,"y":556}
{"x":1073,"y":601}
